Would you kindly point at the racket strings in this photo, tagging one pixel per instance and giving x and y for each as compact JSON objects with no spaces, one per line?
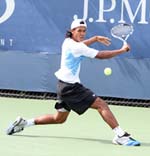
{"x":122,"y":31}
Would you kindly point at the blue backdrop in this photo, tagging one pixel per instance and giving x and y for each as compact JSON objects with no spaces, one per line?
{"x":31,"y":34}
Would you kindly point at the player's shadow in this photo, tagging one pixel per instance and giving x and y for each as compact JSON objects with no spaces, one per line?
{"x":103,"y":141}
{"x":68,"y":138}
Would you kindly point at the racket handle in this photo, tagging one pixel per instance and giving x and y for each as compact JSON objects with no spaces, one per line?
{"x":125,"y":42}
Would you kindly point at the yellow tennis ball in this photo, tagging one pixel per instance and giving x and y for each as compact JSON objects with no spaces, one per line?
{"x":107,"y":71}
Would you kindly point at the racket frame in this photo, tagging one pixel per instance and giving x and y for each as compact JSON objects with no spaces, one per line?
{"x":123,"y":39}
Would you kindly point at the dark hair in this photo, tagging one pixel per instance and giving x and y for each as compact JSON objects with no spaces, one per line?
{"x":68,"y":34}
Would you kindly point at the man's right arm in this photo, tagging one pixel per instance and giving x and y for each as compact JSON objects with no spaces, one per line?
{"x":106,"y":54}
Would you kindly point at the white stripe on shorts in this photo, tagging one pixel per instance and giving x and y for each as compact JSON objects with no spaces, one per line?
{"x":62,"y":110}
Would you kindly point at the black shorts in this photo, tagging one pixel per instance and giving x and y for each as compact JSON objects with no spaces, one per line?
{"x":74,"y":97}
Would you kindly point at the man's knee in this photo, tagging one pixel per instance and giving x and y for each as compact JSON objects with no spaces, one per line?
{"x":61,"y":117}
{"x":99,"y":104}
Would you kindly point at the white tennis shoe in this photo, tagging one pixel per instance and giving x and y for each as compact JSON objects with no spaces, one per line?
{"x":17,"y":126}
{"x":125,"y":140}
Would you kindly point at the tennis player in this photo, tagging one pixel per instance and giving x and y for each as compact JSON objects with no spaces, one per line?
{"x":71,"y":93}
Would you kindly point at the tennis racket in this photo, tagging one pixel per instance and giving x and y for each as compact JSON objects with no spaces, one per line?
{"x":122,"y":31}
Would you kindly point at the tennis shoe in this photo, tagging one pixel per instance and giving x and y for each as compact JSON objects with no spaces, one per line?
{"x":17,"y":126}
{"x":125,"y":140}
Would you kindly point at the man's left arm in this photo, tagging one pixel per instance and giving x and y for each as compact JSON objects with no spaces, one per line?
{"x":104,"y":40}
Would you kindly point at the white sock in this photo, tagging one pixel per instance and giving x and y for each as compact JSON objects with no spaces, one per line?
{"x":30,"y":122}
{"x":118,"y":131}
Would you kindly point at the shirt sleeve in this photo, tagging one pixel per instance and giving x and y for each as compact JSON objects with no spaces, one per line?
{"x":80,"y":49}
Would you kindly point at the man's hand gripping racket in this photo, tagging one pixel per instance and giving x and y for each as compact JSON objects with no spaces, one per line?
{"x":122,"y":32}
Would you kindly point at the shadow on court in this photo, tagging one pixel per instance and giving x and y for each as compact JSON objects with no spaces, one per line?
{"x":103,"y":141}
{"x":67,"y":138}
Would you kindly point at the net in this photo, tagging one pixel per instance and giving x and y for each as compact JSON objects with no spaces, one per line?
{"x":53,"y":96}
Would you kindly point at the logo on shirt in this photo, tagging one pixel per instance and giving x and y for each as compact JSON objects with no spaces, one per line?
{"x":93,"y":95}
{"x":72,"y":62}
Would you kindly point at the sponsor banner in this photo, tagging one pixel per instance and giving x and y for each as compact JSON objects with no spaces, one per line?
{"x":33,"y":26}
{"x":32,"y":30}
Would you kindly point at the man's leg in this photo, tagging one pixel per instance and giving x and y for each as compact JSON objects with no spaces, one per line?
{"x":59,"y":117}
{"x":19,"y":124}
{"x":105,"y":112}
{"x":121,"y":137}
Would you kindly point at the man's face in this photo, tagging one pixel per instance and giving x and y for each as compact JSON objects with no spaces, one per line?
{"x":78,"y":34}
